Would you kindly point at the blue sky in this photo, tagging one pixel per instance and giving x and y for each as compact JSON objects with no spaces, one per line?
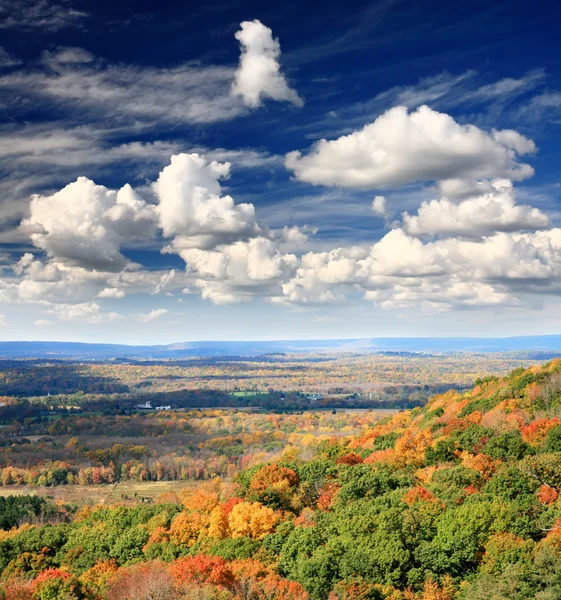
{"x":339,"y":170}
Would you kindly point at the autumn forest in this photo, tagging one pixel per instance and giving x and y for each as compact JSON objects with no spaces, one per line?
{"x":456,"y":498}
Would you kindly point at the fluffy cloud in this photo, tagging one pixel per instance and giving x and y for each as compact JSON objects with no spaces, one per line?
{"x":399,"y":148}
{"x":192,"y":208}
{"x":480,"y":257}
{"x":84,"y":224}
{"x":111,"y":293}
{"x":59,"y":283}
{"x":460,"y":189}
{"x":439,"y":295}
{"x":56,"y":282}
{"x":323,"y":277}
{"x":401,"y":271}
{"x":258,"y":75}
{"x":239,"y":271}
{"x":490,"y":212}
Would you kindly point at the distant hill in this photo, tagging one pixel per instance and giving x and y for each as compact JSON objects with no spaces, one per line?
{"x":76,"y":350}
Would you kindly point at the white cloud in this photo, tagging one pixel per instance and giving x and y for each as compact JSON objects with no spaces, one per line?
{"x":258,"y":75}
{"x":7,"y":59}
{"x":400,"y":271}
{"x":480,"y":258}
{"x":157,"y":313}
{"x":39,"y":148}
{"x":239,"y":271}
{"x":193,"y":210}
{"x":379,"y":206}
{"x":442,"y":92}
{"x":84,"y":224}
{"x":548,"y":99}
{"x":55,"y":282}
{"x":544,"y":106}
{"x":296,"y":236}
{"x":460,"y":189}
{"x":129,"y":95}
{"x":505,"y":88}
{"x":111,"y":293}
{"x":483,"y":214}
{"x":399,"y":148}
{"x":167,"y":279}
{"x":28,"y":15}
{"x":42,"y":323}
{"x":322,"y":277}
{"x":66,"y":56}
{"x":88,"y":312}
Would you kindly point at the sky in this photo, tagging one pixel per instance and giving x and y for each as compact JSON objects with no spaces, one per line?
{"x":176,"y":171}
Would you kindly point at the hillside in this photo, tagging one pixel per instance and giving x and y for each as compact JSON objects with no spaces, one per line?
{"x":458,"y":500}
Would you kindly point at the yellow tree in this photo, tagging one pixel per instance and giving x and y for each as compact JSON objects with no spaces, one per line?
{"x":252,"y":520}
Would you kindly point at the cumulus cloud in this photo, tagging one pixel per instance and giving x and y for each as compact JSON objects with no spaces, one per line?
{"x":400,"y":148}
{"x":54,"y":282}
{"x":402,"y":271}
{"x":322,"y":277}
{"x":485,"y":251}
{"x":258,"y":75}
{"x":460,"y":189}
{"x":192,"y":208}
{"x":240,"y":271}
{"x":83,"y":227}
{"x":84,"y":224}
{"x":111,"y":293}
{"x":296,"y":236}
{"x":483,"y":214}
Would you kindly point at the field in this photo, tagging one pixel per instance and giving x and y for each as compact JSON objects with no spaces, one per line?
{"x":124,"y":492}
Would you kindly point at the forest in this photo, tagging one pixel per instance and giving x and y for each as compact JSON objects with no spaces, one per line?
{"x":35,"y":388}
{"x":307,"y":373}
{"x":454,"y":500}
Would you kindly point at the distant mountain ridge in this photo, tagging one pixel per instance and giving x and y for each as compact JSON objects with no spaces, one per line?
{"x":77,"y":350}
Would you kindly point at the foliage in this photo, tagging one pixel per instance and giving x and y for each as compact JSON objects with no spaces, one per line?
{"x":455,"y":501}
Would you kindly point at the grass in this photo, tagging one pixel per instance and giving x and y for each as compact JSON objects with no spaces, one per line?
{"x":124,"y":492}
